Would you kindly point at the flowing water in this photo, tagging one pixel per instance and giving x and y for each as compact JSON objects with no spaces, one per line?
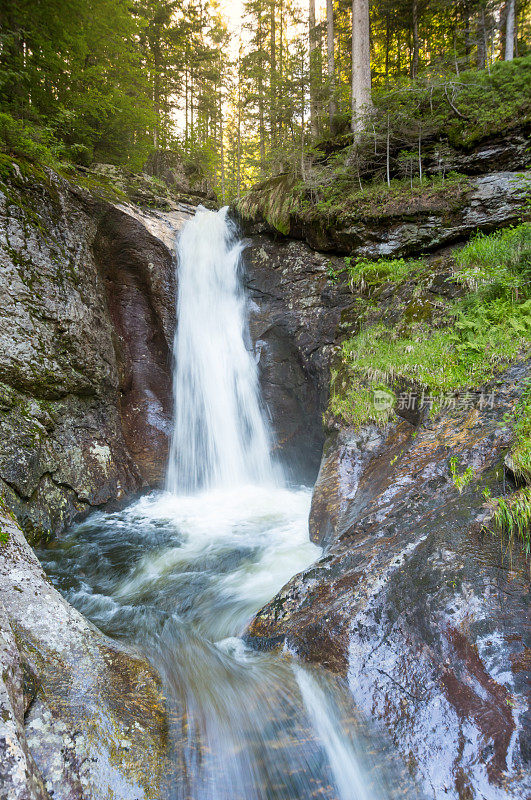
{"x":180,"y":573}
{"x":220,"y":436}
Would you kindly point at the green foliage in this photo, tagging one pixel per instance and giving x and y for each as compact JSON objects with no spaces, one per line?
{"x":4,"y":537}
{"x":520,"y":455}
{"x":98,"y":80}
{"x":461,"y":109}
{"x":479,"y":335}
{"x":460,"y":481}
{"x":23,"y":140}
{"x":512,"y":516}
{"x":363,"y":272}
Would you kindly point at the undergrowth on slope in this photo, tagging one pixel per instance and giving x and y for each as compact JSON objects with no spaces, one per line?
{"x":404,"y":159}
{"x":479,"y":335}
{"x":364,"y":273}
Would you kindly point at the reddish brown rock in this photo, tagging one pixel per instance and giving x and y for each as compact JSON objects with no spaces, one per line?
{"x":87,"y":313}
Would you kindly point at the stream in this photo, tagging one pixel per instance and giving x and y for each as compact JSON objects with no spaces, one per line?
{"x":179,"y":573}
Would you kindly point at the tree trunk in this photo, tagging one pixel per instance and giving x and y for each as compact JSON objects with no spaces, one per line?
{"x":387,"y":45}
{"x":273,"y":79}
{"x":314,"y":126}
{"x":509,"y":31}
{"x":468,"y":47}
{"x":261,"y":127}
{"x":222,"y":149}
{"x":361,"y":64}
{"x":239,"y":137}
{"x":481,"y":40}
{"x":281,"y":106}
{"x":415,"y":26}
{"x":330,"y":41}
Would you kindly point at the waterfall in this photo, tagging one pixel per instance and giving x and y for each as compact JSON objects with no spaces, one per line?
{"x":221,"y":437}
{"x":180,"y":573}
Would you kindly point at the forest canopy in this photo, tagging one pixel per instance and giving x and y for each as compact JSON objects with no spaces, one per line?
{"x":114,"y":80}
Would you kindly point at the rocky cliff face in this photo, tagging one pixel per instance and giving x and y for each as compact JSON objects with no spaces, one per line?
{"x":415,"y":602}
{"x":87,"y":310}
{"x":295,"y":314}
{"x":402,"y":225}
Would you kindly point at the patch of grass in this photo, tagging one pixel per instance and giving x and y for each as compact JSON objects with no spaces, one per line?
{"x":501,"y":260}
{"x":363,"y":272}
{"x":520,"y":456}
{"x":512,"y":516}
{"x":4,"y":537}
{"x":478,"y":336}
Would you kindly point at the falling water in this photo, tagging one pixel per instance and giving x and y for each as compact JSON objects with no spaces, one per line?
{"x":180,"y":573}
{"x":220,"y":437}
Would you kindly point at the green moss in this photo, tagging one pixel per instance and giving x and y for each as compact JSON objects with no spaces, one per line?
{"x":476,"y":337}
{"x":273,"y":200}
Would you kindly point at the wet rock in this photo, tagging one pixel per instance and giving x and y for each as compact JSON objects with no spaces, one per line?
{"x":138,"y":275}
{"x":87,"y":320}
{"x":89,"y":696}
{"x":295,"y":313}
{"x":416,"y":602}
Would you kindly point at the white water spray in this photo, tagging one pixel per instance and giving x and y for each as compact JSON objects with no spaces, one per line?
{"x":220,"y":436}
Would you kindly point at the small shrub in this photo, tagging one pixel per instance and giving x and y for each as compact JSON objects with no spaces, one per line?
{"x":460,"y":481}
